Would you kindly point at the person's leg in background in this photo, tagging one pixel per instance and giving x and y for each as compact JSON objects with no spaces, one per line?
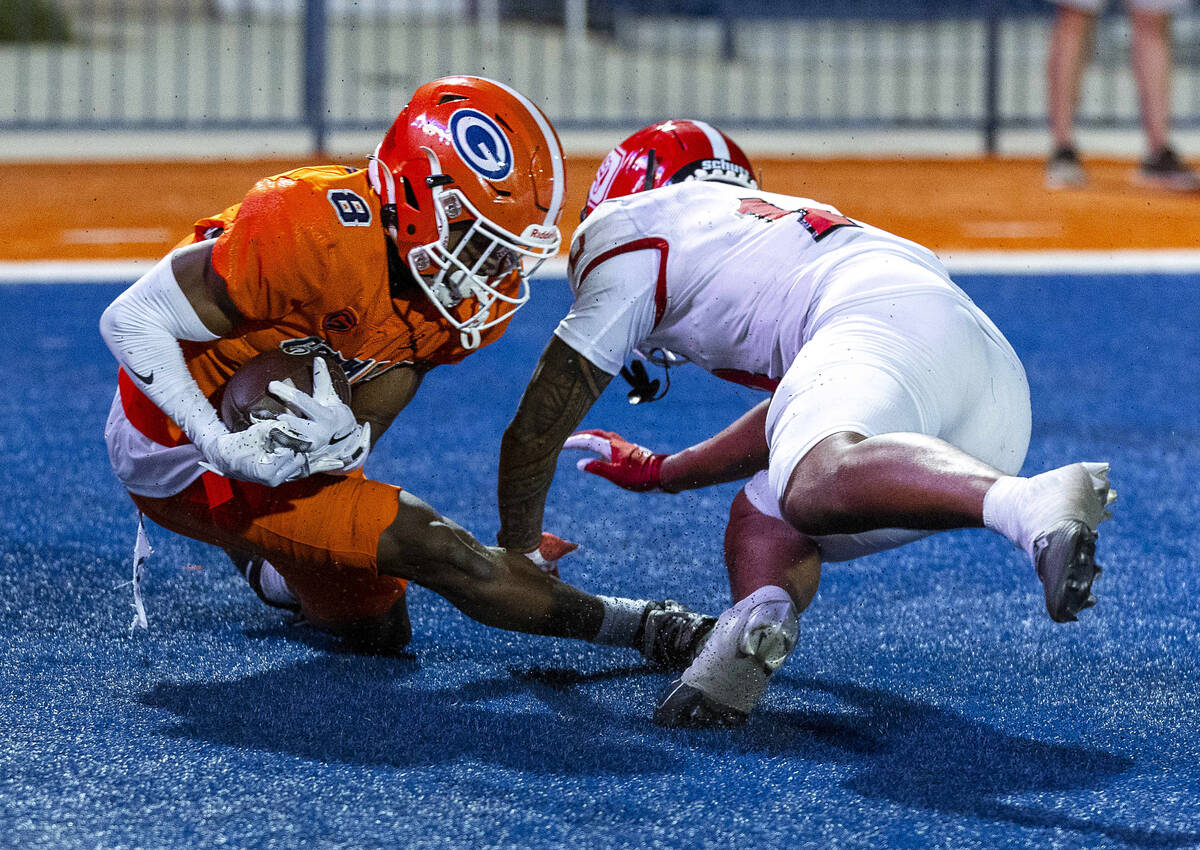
{"x":1070,"y":45}
{"x":1150,"y":55}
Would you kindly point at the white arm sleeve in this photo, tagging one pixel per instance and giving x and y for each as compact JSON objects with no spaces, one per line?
{"x":613,"y":310}
{"x":142,"y":328}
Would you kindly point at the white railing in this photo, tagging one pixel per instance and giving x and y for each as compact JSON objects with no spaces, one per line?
{"x":350,"y":64}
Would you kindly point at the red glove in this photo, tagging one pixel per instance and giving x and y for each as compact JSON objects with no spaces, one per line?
{"x":546,"y":556}
{"x":623,"y":463}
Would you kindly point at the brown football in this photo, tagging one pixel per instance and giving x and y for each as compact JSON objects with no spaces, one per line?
{"x":246,"y":395}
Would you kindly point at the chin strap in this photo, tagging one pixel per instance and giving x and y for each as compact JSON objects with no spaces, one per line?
{"x":141,"y":553}
{"x":644,"y":389}
{"x":469,"y":338}
{"x":651,"y":167}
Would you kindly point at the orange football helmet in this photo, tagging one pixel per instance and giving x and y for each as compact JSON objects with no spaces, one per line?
{"x":471,"y":180}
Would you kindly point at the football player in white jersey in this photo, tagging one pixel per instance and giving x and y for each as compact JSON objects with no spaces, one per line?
{"x":896,"y":407}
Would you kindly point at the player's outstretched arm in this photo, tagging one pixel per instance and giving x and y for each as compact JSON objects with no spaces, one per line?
{"x":562,"y":390}
{"x":735,"y":453}
{"x":182,"y":298}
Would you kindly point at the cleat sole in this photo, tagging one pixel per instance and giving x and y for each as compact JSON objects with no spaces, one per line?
{"x":686,"y":707}
{"x":1066,"y":564}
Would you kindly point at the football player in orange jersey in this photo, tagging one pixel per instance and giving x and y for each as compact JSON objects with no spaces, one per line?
{"x":411,"y":263}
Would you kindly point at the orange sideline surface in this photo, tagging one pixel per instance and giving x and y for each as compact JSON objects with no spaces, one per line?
{"x":123,"y":210}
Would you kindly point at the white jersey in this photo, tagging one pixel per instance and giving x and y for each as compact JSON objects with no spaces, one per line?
{"x":734,"y":279}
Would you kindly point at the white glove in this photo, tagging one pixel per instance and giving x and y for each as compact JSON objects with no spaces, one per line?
{"x":333,"y":441}
{"x":257,"y":454}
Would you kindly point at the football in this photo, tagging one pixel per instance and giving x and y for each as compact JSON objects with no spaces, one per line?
{"x":246,"y":395}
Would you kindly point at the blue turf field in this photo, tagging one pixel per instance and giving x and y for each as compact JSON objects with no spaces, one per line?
{"x":931,"y":701}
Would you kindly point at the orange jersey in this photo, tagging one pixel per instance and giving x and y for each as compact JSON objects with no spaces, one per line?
{"x":305,"y":261}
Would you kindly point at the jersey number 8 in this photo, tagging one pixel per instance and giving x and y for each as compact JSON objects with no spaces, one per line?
{"x":351,"y":209}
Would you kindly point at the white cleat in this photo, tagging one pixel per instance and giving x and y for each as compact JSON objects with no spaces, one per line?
{"x":750,"y":641}
{"x":1068,"y":504}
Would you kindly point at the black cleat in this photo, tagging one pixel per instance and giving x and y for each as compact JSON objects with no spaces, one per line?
{"x":1064,"y":171}
{"x":1066,"y":564}
{"x":387,"y":634}
{"x":671,"y":635}
{"x":685,"y":707}
{"x":1165,"y":170}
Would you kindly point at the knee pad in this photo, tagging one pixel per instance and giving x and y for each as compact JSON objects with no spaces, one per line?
{"x":760,"y":494}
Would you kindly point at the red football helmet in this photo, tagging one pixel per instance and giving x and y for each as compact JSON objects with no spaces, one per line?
{"x":471,"y":180}
{"x":670,"y":152}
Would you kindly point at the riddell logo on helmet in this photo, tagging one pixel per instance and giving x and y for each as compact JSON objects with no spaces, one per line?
{"x":481,"y":144}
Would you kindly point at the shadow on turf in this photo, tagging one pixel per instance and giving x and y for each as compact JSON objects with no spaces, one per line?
{"x":925,"y":757}
{"x":368,"y":711}
{"x":362,"y":710}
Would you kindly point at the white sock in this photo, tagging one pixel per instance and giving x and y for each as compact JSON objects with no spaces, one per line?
{"x":1000,"y":511}
{"x":1023,"y":509}
{"x":275,"y":586}
{"x":622,"y":619}
{"x":750,"y":642}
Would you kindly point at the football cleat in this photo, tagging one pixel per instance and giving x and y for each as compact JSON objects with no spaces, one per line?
{"x":267,"y":584}
{"x":685,"y":707}
{"x":1064,"y":171}
{"x":748,"y":644}
{"x":387,"y":634}
{"x":671,"y":635}
{"x":1064,"y":553}
{"x":1165,"y":170}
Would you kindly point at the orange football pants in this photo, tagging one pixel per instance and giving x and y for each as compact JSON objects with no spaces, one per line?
{"x":321,"y":533}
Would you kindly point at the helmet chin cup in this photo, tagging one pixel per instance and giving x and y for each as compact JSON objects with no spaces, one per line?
{"x":469,"y":338}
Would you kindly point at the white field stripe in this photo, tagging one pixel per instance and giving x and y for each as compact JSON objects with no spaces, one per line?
{"x":1012,"y":229}
{"x":552,"y":145}
{"x":74,"y":271}
{"x":115,"y":236}
{"x":1072,"y":262}
{"x":962,"y":262}
{"x":720,"y":149}
{"x":1028,"y":262}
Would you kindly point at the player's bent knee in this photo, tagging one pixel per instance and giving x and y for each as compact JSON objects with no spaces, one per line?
{"x":812,"y":502}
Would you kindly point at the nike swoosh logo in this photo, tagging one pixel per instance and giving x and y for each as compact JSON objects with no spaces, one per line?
{"x":145,"y":379}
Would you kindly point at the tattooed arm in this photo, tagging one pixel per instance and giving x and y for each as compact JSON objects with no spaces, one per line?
{"x":562,"y":390}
